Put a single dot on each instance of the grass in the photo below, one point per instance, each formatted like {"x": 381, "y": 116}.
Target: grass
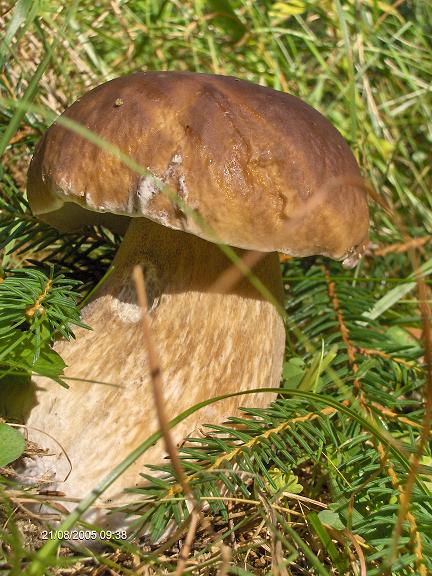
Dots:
{"x": 345, "y": 433}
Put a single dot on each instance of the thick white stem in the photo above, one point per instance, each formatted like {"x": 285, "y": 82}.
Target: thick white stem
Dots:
{"x": 209, "y": 344}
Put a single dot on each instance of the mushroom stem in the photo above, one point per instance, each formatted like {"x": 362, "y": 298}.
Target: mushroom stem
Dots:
{"x": 209, "y": 343}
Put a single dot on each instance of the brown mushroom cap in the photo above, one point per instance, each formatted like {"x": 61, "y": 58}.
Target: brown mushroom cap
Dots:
{"x": 262, "y": 168}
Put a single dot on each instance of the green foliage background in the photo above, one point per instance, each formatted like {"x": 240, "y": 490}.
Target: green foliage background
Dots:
{"x": 354, "y": 374}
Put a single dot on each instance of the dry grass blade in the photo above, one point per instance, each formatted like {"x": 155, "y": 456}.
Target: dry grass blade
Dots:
{"x": 157, "y": 387}
{"x": 186, "y": 548}
{"x": 236, "y": 272}
{"x": 157, "y": 384}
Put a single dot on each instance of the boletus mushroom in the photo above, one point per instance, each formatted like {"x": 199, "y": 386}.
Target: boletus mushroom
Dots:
{"x": 265, "y": 172}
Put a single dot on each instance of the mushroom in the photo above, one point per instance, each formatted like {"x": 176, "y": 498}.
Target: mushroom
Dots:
{"x": 264, "y": 171}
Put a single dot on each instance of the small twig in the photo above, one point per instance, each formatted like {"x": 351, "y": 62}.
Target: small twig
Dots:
{"x": 171, "y": 540}
{"x": 361, "y": 557}
{"x": 339, "y": 536}
{"x": 186, "y": 548}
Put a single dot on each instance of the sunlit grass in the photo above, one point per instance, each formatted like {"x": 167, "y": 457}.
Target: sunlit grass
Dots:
{"x": 367, "y": 66}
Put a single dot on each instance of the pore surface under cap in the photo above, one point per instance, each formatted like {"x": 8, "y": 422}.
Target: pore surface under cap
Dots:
{"x": 262, "y": 168}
